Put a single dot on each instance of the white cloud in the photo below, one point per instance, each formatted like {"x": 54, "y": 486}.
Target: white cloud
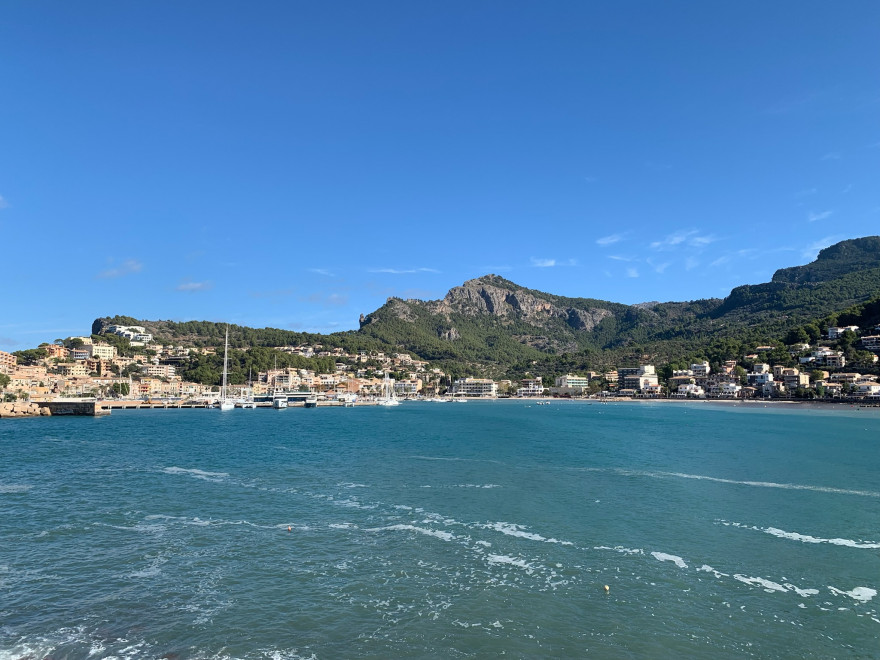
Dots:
{"x": 691, "y": 263}
{"x": 543, "y": 263}
{"x": 815, "y": 217}
{"x": 192, "y": 287}
{"x": 409, "y": 271}
{"x": 659, "y": 268}
{"x": 690, "y": 238}
{"x": 3, "y": 203}
{"x": 806, "y": 192}
{"x": 609, "y": 240}
{"x": 848, "y": 188}
{"x": 811, "y": 251}
{"x": 591, "y": 179}
{"x": 632, "y": 272}
{"x": 321, "y": 271}
{"x": 831, "y": 155}
{"x": 617, "y": 257}
{"x": 127, "y": 267}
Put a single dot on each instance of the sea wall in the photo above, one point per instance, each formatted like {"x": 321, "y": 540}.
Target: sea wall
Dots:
{"x": 23, "y": 409}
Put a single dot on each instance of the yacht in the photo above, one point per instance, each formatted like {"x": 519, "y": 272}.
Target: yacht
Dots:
{"x": 311, "y": 401}
{"x": 225, "y": 402}
{"x": 388, "y": 397}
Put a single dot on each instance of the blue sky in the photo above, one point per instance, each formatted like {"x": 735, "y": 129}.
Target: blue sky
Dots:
{"x": 293, "y": 164}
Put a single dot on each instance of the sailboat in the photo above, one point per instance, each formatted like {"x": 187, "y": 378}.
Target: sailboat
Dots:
{"x": 225, "y": 402}
{"x": 249, "y": 401}
{"x": 388, "y": 398}
{"x": 279, "y": 401}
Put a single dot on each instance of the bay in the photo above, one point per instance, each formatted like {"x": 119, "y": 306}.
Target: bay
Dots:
{"x": 430, "y": 530}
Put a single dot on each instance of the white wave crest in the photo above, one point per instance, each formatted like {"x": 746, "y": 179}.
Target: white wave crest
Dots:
{"x": 14, "y": 488}
{"x": 621, "y": 549}
{"x": 805, "y": 538}
{"x": 861, "y": 594}
{"x": 444, "y": 536}
{"x": 662, "y": 556}
{"x": 512, "y": 529}
{"x": 708, "y": 569}
{"x": 768, "y": 585}
{"x": 758, "y": 484}
{"x": 198, "y": 474}
{"x": 512, "y": 561}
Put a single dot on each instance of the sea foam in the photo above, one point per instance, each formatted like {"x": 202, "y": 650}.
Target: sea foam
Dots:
{"x": 198, "y": 474}
{"x": 444, "y": 536}
{"x": 804, "y": 538}
{"x": 861, "y": 594}
{"x": 662, "y": 556}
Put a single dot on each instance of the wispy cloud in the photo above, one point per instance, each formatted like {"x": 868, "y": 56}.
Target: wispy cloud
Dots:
{"x": 816, "y": 217}
{"x": 609, "y": 240}
{"x": 3, "y": 203}
{"x": 550, "y": 263}
{"x": 127, "y": 267}
{"x": 806, "y": 192}
{"x": 691, "y": 238}
{"x": 848, "y": 188}
{"x": 591, "y": 179}
{"x": 691, "y": 263}
{"x": 632, "y": 272}
{"x": 617, "y": 257}
{"x": 659, "y": 268}
{"x": 812, "y": 250}
{"x": 831, "y": 155}
{"x": 193, "y": 287}
{"x": 321, "y": 271}
{"x": 404, "y": 271}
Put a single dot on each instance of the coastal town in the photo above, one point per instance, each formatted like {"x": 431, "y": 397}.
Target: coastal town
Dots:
{"x": 88, "y": 368}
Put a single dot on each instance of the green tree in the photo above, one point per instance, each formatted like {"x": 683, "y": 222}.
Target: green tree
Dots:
{"x": 4, "y": 381}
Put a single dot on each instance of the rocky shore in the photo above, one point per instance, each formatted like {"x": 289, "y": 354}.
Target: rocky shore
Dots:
{"x": 23, "y": 409}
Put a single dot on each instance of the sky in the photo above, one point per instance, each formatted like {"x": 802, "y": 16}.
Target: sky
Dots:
{"x": 293, "y": 164}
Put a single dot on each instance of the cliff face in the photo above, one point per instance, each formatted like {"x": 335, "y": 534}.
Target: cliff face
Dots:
{"x": 482, "y": 296}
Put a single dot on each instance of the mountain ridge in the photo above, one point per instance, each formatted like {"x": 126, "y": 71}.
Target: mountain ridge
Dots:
{"x": 489, "y": 323}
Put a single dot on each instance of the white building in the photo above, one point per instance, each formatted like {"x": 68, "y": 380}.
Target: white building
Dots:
{"x": 836, "y": 333}
{"x": 700, "y": 369}
{"x": 477, "y": 387}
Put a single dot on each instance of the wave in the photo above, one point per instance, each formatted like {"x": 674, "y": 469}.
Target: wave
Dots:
{"x": 444, "y": 536}
{"x": 757, "y": 484}
{"x": 861, "y": 594}
{"x": 198, "y": 474}
{"x": 675, "y": 559}
{"x": 506, "y": 559}
{"x": 14, "y": 488}
{"x": 804, "y": 538}
{"x": 512, "y": 529}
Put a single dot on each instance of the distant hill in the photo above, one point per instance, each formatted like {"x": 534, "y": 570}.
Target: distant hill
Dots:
{"x": 494, "y": 326}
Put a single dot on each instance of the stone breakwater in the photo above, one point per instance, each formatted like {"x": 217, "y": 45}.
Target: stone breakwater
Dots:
{"x": 23, "y": 409}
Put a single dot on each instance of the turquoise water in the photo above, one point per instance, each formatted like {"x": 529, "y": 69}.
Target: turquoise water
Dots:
{"x": 442, "y": 531}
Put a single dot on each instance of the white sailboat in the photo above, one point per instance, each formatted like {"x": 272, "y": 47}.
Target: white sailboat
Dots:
{"x": 388, "y": 397}
{"x": 279, "y": 400}
{"x": 249, "y": 402}
{"x": 225, "y": 402}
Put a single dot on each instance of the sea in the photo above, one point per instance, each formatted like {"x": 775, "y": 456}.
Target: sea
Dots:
{"x": 486, "y": 530}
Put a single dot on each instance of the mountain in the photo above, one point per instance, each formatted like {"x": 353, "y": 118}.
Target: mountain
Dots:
{"x": 490, "y": 325}
{"x": 494, "y": 323}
